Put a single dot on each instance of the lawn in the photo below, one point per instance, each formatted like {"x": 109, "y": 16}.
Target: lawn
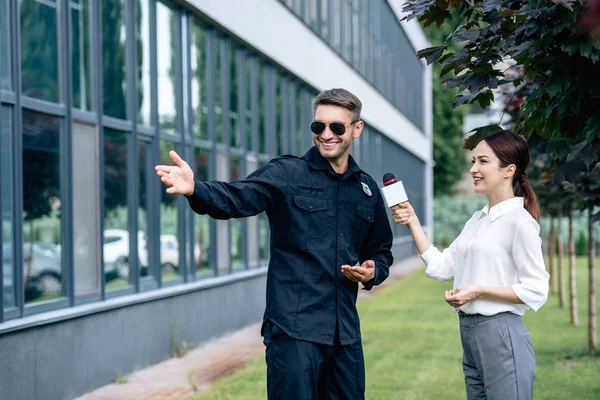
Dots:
{"x": 412, "y": 348}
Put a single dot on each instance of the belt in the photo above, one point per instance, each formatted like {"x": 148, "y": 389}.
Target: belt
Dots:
{"x": 476, "y": 318}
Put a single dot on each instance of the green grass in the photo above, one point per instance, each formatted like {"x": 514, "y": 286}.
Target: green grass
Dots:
{"x": 412, "y": 348}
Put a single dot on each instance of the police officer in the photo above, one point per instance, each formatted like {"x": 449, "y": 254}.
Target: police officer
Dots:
{"x": 329, "y": 231}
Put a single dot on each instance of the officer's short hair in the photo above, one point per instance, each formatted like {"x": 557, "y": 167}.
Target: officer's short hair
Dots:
{"x": 341, "y": 98}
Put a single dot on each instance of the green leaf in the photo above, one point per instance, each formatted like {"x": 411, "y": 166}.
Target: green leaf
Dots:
{"x": 431, "y": 54}
{"x": 478, "y": 134}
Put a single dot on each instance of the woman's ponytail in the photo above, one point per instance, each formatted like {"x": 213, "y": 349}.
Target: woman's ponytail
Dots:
{"x": 523, "y": 189}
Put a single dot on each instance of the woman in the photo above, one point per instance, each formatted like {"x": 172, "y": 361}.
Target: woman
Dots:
{"x": 498, "y": 270}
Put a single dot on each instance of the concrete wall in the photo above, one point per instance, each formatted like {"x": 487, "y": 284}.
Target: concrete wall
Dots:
{"x": 66, "y": 359}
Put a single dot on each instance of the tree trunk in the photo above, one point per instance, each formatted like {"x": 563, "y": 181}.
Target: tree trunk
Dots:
{"x": 572, "y": 282}
{"x": 592, "y": 340}
{"x": 551, "y": 256}
{"x": 559, "y": 264}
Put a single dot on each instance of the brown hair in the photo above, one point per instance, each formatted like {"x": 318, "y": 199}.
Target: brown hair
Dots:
{"x": 511, "y": 148}
{"x": 340, "y": 98}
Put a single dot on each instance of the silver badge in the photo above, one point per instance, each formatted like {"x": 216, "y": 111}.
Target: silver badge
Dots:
{"x": 366, "y": 189}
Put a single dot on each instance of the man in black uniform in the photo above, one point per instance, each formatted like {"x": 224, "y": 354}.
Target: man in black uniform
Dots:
{"x": 329, "y": 231}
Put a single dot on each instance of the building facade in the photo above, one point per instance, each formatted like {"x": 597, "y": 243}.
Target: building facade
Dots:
{"x": 102, "y": 271}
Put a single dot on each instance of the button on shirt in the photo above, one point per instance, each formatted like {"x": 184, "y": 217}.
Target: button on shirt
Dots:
{"x": 319, "y": 221}
{"x": 498, "y": 247}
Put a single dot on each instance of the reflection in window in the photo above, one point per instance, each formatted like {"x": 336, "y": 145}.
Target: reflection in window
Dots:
{"x": 347, "y": 29}
{"x": 145, "y": 173}
{"x": 298, "y": 127}
{"x": 233, "y": 99}
{"x": 313, "y": 17}
{"x": 252, "y": 223}
{"x": 279, "y": 112}
{"x": 39, "y": 49}
{"x": 4, "y": 46}
{"x": 143, "y": 61}
{"x": 236, "y": 225}
{"x": 6, "y": 193}
{"x": 249, "y": 114}
{"x": 202, "y": 246}
{"x": 355, "y": 37}
{"x": 165, "y": 42}
{"x": 325, "y": 19}
{"x": 219, "y": 76}
{"x": 114, "y": 39}
{"x": 116, "y": 214}
{"x": 263, "y": 235}
{"x": 85, "y": 210}
{"x": 261, "y": 108}
{"x": 80, "y": 53}
{"x": 169, "y": 242}
{"x": 336, "y": 26}
{"x": 198, "y": 61}
{"x": 42, "y": 260}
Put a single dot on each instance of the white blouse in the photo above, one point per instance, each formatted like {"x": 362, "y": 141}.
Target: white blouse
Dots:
{"x": 498, "y": 247}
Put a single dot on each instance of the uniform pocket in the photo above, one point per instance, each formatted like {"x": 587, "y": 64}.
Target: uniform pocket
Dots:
{"x": 363, "y": 219}
{"x": 312, "y": 221}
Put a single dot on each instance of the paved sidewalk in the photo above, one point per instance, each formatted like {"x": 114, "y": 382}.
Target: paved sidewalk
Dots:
{"x": 180, "y": 378}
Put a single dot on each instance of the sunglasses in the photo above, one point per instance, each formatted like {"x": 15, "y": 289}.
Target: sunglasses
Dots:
{"x": 317, "y": 127}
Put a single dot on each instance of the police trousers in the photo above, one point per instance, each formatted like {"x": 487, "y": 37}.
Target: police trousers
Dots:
{"x": 301, "y": 370}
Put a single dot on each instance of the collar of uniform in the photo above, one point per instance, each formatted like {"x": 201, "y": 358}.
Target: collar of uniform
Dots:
{"x": 316, "y": 161}
{"x": 502, "y": 208}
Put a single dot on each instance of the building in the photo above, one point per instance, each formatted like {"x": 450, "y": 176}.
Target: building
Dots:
{"x": 103, "y": 272}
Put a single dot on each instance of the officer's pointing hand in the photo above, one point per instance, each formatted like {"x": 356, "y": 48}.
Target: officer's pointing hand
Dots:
{"x": 364, "y": 273}
{"x": 179, "y": 178}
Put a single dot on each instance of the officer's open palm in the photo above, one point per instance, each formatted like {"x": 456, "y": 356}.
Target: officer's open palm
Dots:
{"x": 403, "y": 213}
{"x": 179, "y": 178}
{"x": 364, "y": 273}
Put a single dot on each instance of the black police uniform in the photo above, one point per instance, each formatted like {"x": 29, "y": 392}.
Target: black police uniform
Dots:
{"x": 319, "y": 221}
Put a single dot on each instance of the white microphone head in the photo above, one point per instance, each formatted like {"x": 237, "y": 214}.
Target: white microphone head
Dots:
{"x": 394, "y": 194}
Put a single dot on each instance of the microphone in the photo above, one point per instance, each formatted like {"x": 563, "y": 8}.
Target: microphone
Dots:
{"x": 393, "y": 191}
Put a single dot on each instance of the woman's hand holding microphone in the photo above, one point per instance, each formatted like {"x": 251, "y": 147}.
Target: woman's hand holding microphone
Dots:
{"x": 403, "y": 213}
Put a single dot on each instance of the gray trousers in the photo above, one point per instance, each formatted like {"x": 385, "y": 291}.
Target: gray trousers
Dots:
{"x": 498, "y": 358}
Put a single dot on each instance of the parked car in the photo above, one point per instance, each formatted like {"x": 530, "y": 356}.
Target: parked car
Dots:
{"x": 116, "y": 251}
{"x": 42, "y": 272}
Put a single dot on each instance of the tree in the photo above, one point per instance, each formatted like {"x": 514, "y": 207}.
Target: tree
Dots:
{"x": 447, "y": 125}
{"x": 559, "y": 61}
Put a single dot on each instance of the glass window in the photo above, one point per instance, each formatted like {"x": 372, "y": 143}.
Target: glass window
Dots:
{"x": 325, "y": 19}
{"x": 143, "y": 62}
{"x": 279, "y": 112}
{"x": 202, "y": 223}
{"x": 261, "y": 109}
{"x": 116, "y": 213}
{"x": 145, "y": 174}
{"x": 252, "y": 224}
{"x": 263, "y": 235}
{"x": 198, "y": 61}
{"x": 166, "y": 29}
{"x": 313, "y": 16}
{"x": 80, "y": 54}
{"x": 355, "y": 38}
{"x": 6, "y": 191}
{"x": 85, "y": 210}
{"x": 298, "y": 126}
{"x": 169, "y": 240}
{"x": 114, "y": 39}
{"x": 5, "y": 67}
{"x": 39, "y": 50}
{"x": 42, "y": 259}
{"x": 336, "y": 17}
{"x": 347, "y": 29}
{"x": 223, "y": 236}
{"x": 218, "y": 82}
{"x": 235, "y": 134}
{"x": 236, "y": 225}
{"x": 249, "y": 114}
